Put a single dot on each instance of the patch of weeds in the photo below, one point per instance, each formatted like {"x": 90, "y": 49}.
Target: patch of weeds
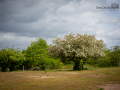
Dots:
{"x": 101, "y": 89}
{"x": 85, "y": 69}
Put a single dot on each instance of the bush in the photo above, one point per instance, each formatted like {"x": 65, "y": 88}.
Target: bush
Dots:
{"x": 11, "y": 59}
{"x": 36, "y": 68}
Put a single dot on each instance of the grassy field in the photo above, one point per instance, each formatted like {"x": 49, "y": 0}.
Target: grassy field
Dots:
{"x": 64, "y": 79}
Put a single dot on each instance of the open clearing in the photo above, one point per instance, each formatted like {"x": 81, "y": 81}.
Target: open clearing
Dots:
{"x": 93, "y": 79}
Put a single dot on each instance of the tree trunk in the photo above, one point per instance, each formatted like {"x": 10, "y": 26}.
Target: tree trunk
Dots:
{"x": 77, "y": 65}
{"x": 23, "y": 67}
{"x": 81, "y": 66}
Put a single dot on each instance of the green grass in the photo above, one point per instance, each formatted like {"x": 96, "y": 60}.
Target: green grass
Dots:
{"x": 65, "y": 79}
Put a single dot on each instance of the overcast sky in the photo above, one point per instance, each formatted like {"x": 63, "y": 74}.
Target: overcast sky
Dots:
{"x": 23, "y": 21}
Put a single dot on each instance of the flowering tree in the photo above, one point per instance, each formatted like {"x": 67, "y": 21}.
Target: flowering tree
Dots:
{"x": 76, "y": 47}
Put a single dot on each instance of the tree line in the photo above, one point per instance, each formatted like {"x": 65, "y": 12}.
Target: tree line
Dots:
{"x": 35, "y": 55}
{"x": 78, "y": 49}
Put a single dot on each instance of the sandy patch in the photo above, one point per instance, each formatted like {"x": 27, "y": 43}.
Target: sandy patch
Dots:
{"x": 51, "y": 77}
{"x": 42, "y": 77}
{"x": 47, "y": 77}
{"x": 111, "y": 87}
{"x": 71, "y": 73}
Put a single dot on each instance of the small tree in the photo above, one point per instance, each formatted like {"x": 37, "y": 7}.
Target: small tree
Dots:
{"x": 76, "y": 48}
{"x": 36, "y": 55}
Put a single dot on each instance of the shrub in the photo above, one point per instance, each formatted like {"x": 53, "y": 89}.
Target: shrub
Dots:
{"x": 36, "y": 68}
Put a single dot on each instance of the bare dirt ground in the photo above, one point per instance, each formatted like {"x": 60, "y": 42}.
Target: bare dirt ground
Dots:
{"x": 99, "y": 79}
{"x": 111, "y": 87}
{"x": 104, "y": 87}
{"x": 96, "y": 75}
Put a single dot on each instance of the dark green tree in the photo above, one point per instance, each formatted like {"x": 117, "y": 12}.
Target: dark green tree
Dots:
{"x": 115, "y": 55}
{"x": 36, "y": 55}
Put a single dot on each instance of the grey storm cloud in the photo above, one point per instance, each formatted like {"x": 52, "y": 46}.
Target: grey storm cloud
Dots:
{"x": 24, "y": 11}
{"x": 23, "y": 21}
{"x": 19, "y": 16}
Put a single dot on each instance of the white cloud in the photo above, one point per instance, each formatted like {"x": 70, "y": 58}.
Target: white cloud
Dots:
{"x": 18, "y": 41}
{"x": 119, "y": 24}
{"x": 110, "y": 20}
{"x": 24, "y": 21}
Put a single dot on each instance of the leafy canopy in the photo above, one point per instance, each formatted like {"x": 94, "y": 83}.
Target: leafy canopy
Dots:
{"x": 11, "y": 59}
{"x": 36, "y": 55}
{"x": 78, "y": 45}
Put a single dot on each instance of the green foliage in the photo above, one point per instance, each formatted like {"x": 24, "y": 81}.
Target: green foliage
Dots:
{"x": 105, "y": 61}
{"x": 112, "y": 58}
{"x": 36, "y": 55}
{"x": 101, "y": 61}
{"x": 115, "y": 55}
{"x": 11, "y": 59}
